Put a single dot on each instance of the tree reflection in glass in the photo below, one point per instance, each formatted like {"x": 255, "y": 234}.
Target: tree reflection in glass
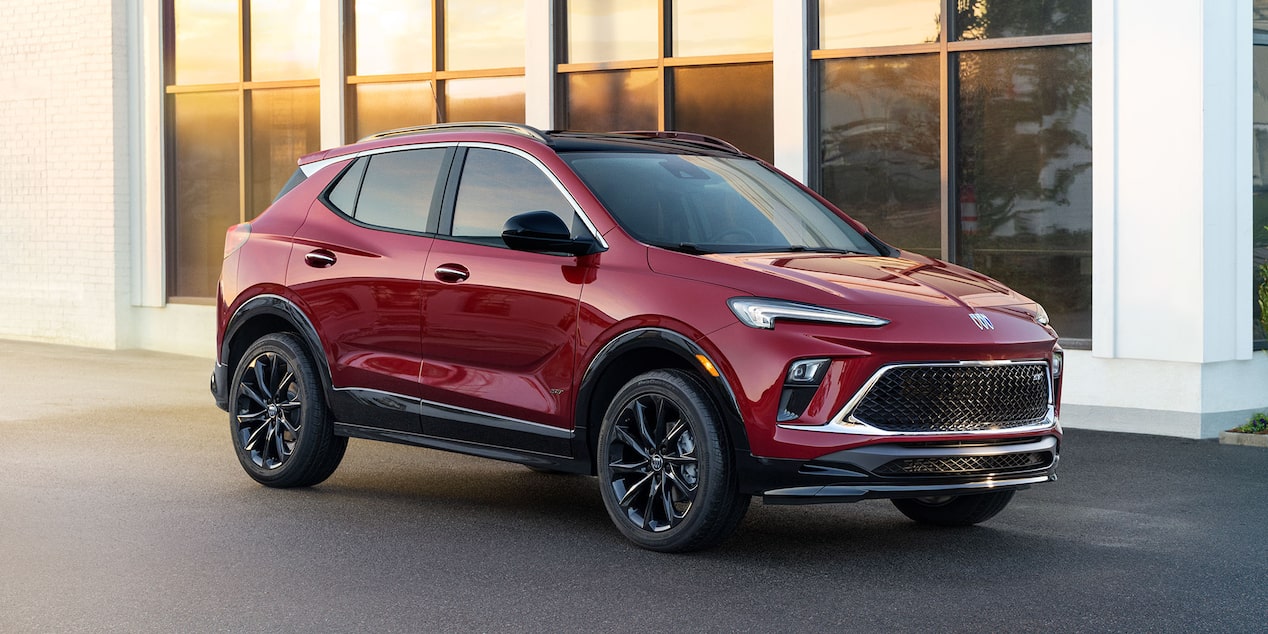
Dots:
{"x": 982, "y": 19}
{"x": 1024, "y": 181}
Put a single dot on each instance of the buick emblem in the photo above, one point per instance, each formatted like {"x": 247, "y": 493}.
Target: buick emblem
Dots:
{"x": 983, "y": 322}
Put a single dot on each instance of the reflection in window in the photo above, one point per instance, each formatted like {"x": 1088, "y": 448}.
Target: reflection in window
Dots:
{"x": 614, "y": 100}
{"x": 285, "y": 38}
{"x": 607, "y": 30}
{"x": 879, "y": 149}
{"x": 205, "y": 158}
{"x": 497, "y": 185}
{"x": 722, "y": 27}
{"x": 734, "y": 102}
{"x": 859, "y": 23}
{"x": 485, "y": 34}
{"x": 1025, "y": 185}
{"x": 1259, "y": 162}
{"x": 1260, "y": 16}
{"x": 982, "y": 19}
{"x": 381, "y": 107}
{"x": 206, "y": 42}
{"x": 392, "y": 37}
{"x": 487, "y": 99}
{"x": 398, "y": 188}
{"x": 285, "y": 126}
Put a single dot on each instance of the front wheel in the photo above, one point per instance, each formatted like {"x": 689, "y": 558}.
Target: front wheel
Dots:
{"x": 281, "y": 432}
{"x": 964, "y": 510}
{"x": 665, "y": 466}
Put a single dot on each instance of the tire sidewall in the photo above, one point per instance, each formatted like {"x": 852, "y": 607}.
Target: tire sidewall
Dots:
{"x": 312, "y": 418}
{"x": 711, "y": 455}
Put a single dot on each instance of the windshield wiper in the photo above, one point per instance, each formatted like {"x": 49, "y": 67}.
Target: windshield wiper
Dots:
{"x": 801, "y": 248}
{"x": 684, "y": 247}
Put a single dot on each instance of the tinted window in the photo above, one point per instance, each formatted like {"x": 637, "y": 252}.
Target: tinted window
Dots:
{"x": 497, "y": 185}
{"x": 344, "y": 194}
{"x": 398, "y": 187}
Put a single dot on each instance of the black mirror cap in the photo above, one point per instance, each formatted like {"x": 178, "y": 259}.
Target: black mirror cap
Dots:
{"x": 542, "y": 232}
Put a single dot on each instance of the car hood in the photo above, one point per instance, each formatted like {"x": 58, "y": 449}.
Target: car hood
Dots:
{"x": 909, "y": 289}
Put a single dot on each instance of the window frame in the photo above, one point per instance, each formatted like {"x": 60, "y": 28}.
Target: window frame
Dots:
{"x": 443, "y": 176}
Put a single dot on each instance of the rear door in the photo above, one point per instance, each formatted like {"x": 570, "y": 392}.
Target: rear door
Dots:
{"x": 500, "y": 333}
{"x": 357, "y": 266}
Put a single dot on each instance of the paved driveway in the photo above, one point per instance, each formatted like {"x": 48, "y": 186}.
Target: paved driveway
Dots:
{"x": 122, "y": 508}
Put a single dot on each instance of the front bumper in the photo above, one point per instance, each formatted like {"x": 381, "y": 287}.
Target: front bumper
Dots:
{"x": 898, "y": 470}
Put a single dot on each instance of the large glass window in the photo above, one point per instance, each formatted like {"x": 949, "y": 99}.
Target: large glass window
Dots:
{"x": 962, "y": 129}
{"x": 1024, "y": 157}
{"x": 420, "y": 62}
{"x": 1259, "y": 163}
{"x": 497, "y": 185}
{"x": 880, "y": 158}
{"x": 692, "y": 65}
{"x": 236, "y": 129}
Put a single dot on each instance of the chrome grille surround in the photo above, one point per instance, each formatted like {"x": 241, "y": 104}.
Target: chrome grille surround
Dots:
{"x": 1037, "y": 411}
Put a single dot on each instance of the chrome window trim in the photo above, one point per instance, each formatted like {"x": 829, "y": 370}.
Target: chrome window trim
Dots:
{"x": 844, "y": 421}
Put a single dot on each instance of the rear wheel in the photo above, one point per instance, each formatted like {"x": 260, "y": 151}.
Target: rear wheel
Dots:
{"x": 964, "y": 510}
{"x": 281, "y": 432}
{"x": 665, "y": 465}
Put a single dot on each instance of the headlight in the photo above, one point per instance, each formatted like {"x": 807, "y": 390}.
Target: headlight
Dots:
{"x": 757, "y": 312}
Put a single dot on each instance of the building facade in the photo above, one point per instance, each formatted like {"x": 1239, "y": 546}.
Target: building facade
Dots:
{"x": 1103, "y": 158}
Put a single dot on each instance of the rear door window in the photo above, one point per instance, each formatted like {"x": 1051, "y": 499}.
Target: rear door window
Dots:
{"x": 394, "y": 190}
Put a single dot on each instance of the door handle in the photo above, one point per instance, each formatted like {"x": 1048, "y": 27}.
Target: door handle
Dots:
{"x": 319, "y": 259}
{"x": 452, "y": 273}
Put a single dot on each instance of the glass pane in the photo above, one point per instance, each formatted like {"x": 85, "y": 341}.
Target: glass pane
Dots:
{"x": 380, "y": 107}
{"x": 207, "y": 50}
{"x": 722, "y": 27}
{"x": 497, "y": 185}
{"x": 285, "y": 38}
{"x": 205, "y": 153}
{"x": 1025, "y": 180}
{"x": 981, "y": 19}
{"x": 617, "y": 100}
{"x": 490, "y": 99}
{"x": 343, "y": 196}
{"x": 735, "y": 103}
{"x": 484, "y": 34}
{"x": 393, "y": 36}
{"x": 608, "y": 30}
{"x": 1261, "y": 17}
{"x": 1259, "y": 179}
{"x": 285, "y": 125}
{"x": 857, "y": 23}
{"x": 879, "y": 146}
{"x": 398, "y": 189}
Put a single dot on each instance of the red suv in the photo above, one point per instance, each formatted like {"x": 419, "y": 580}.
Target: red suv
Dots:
{"x": 657, "y": 309}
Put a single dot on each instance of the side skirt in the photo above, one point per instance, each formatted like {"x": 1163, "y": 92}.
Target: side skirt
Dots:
{"x": 532, "y": 459}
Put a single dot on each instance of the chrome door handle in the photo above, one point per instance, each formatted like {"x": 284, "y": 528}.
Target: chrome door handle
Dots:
{"x": 452, "y": 273}
{"x": 320, "y": 259}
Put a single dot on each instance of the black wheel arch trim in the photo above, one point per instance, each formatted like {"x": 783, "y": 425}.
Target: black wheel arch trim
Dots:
{"x": 676, "y": 343}
{"x": 285, "y": 309}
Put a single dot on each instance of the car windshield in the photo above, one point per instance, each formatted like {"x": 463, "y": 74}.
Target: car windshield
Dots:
{"x": 712, "y": 204}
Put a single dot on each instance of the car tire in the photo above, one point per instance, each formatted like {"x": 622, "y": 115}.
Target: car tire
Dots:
{"x": 964, "y": 510}
{"x": 665, "y": 465}
{"x": 282, "y": 433}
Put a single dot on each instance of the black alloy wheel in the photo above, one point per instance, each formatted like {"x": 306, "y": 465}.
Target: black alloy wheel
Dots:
{"x": 665, "y": 465}
{"x": 281, "y": 433}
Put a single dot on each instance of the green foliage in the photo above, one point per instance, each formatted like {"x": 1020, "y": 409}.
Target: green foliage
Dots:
{"x": 1261, "y": 296}
{"x": 1258, "y": 424}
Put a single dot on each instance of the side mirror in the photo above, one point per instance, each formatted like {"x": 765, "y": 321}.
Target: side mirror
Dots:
{"x": 542, "y": 232}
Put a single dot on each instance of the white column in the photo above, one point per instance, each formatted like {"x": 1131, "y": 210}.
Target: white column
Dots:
{"x": 539, "y": 64}
{"x": 145, "y": 159}
{"x": 790, "y": 21}
{"x": 331, "y": 74}
{"x": 1171, "y": 171}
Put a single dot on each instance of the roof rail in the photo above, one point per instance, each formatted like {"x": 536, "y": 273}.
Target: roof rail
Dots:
{"x": 516, "y": 128}
{"x": 687, "y": 137}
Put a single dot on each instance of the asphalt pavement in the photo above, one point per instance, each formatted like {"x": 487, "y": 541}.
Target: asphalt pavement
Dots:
{"x": 123, "y": 509}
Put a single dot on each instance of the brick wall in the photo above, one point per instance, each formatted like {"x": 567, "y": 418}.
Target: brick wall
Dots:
{"x": 63, "y": 170}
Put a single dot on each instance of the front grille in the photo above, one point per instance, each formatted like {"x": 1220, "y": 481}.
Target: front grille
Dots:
{"x": 956, "y": 398}
{"x": 958, "y": 465}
